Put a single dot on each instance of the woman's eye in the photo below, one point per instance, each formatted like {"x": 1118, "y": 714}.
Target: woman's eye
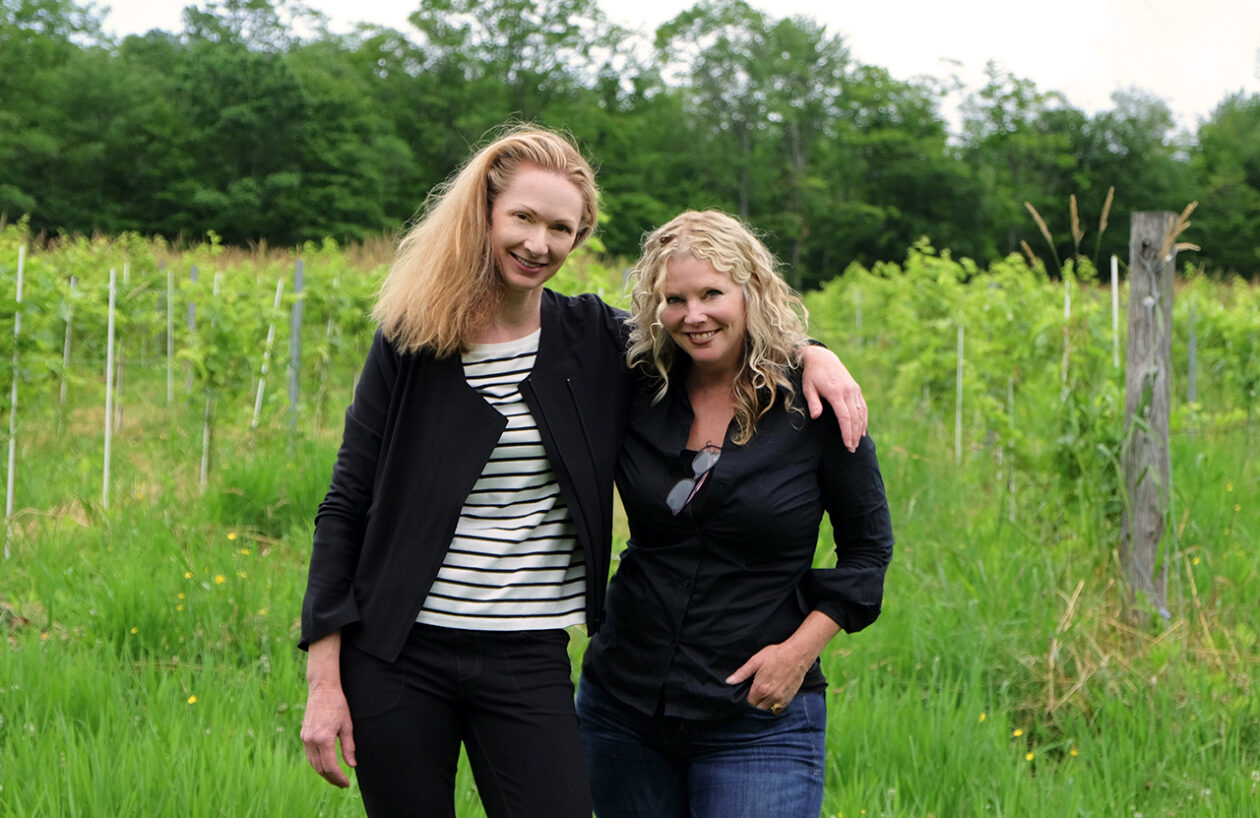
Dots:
{"x": 672, "y": 299}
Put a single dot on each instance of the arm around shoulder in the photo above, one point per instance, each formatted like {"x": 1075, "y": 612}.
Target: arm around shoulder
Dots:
{"x": 853, "y": 493}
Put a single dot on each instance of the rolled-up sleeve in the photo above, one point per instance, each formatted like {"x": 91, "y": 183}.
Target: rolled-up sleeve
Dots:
{"x": 852, "y": 593}
{"x": 329, "y": 604}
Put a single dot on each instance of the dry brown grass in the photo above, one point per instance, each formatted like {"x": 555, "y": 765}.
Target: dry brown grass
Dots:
{"x": 1098, "y": 652}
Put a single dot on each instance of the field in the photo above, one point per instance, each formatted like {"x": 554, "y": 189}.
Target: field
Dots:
{"x": 149, "y": 620}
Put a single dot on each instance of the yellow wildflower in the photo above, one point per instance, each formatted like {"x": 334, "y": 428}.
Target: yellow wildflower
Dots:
{"x": 1017, "y": 732}
{"x": 192, "y": 699}
{"x": 219, "y": 579}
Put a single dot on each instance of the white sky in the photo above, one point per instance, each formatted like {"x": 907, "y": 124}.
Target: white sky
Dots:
{"x": 1190, "y": 54}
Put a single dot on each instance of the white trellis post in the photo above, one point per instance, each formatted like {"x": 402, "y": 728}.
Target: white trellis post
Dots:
{"x": 13, "y": 403}
{"x": 119, "y": 355}
{"x": 204, "y": 480}
{"x": 1115, "y": 312}
{"x": 958, "y": 403}
{"x": 1067, "y": 337}
{"x": 170, "y": 335}
{"x": 1010, "y": 472}
{"x": 295, "y": 345}
{"x": 192, "y": 330}
{"x": 65, "y": 353}
{"x": 271, "y": 340}
{"x": 1192, "y": 383}
{"x": 109, "y": 385}
{"x": 857, "y": 300}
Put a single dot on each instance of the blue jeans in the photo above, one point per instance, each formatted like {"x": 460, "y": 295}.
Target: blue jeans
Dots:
{"x": 753, "y": 766}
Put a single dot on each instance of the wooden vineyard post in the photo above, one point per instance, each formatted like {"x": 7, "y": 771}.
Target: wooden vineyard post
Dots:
{"x": 1146, "y": 460}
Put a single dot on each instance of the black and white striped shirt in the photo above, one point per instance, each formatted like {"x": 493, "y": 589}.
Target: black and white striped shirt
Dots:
{"x": 514, "y": 563}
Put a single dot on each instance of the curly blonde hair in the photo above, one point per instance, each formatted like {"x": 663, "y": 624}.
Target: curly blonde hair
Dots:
{"x": 775, "y": 322}
{"x": 443, "y": 284}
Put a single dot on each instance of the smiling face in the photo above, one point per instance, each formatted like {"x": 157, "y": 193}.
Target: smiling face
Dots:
{"x": 533, "y": 226}
{"x": 705, "y": 313}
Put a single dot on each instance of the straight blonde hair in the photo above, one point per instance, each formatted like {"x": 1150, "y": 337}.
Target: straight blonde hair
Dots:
{"x": 775, "y": 321}
{"x": 443, "y": 284}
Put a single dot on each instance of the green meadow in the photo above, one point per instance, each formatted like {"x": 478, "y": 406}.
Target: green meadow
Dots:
{"x": 148, "y": 664}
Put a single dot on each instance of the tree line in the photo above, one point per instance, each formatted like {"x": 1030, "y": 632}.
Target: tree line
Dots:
{"x": 261, "y": 124}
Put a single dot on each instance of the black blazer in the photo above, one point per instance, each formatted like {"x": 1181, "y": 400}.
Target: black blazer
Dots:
{"x": 415, "y": 440}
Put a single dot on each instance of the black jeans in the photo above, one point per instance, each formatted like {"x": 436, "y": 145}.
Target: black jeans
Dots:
{"x": 507, "y": 695}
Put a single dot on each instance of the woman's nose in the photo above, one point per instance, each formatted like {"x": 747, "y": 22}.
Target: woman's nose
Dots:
{"x": 536, "y": 240}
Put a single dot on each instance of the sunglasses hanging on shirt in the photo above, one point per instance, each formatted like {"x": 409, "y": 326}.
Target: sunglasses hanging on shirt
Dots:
{"x": 685, "y": 489}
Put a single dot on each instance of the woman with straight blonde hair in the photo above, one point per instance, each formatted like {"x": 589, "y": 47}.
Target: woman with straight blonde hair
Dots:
{"x": 469, "y": 518}
{"x": 701, "y": 697}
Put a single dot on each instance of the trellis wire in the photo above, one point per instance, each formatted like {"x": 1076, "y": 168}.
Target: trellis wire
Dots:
{"x": 271, "y": 340}
{"x": 13, "y": 403}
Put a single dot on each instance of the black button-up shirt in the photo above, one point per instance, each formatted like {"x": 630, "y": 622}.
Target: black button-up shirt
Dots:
{"x": 699, "y": 593}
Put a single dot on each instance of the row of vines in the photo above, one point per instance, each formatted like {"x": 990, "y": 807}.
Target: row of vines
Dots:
{"x": 1020, "y": 367}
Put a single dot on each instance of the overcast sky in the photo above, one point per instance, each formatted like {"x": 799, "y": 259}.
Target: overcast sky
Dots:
{"x": 1190, "y": 54}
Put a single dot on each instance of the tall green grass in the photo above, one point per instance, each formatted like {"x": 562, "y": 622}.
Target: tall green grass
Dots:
{"x": 149, "y": 666}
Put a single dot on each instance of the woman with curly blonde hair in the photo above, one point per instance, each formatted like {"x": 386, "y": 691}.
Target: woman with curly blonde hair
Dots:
{"x": 776, "y": 317}
{"x": 701, "y": 695}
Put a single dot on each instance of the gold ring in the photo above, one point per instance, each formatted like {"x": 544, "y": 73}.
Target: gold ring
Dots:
{"x": 776, "y": 709}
